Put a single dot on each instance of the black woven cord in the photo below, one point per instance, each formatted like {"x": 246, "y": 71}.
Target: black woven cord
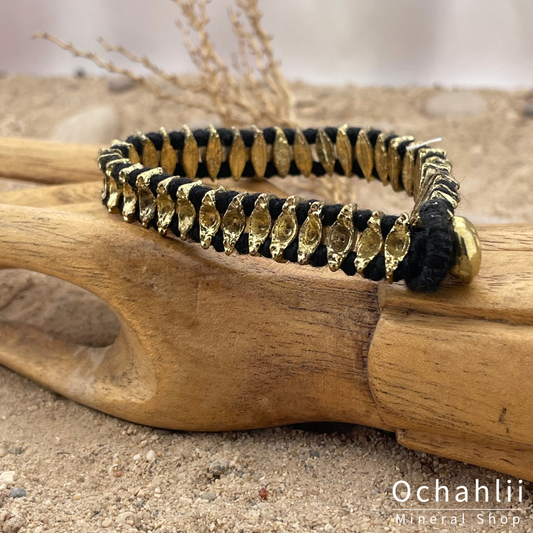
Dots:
{"x": 177, "y": 139}
{"x": 155, "y": 181}
{"x": 352, "y": 135}
{"x": 302, "y": 210}
{"x": 270, "y": 135}
{"x": 320, "y": 257}
{"x": 107, "y": 158}
{"x": 117, "y": 169}
{"x": 137, "y": 143}
{"x": 402, "y": 147}
{"x": 431, "y": 251}
{"x": 247, "y": 137}
{"x": 360, "y": 219}
{"x": 132, "y": 177}
{"x": 124, "y": 150}
{"x": 174, "y": 185}
{"x": 424, "y": 268}
{"x": 290, "y": 134}
{"x": 249, "y": 202}
{"x": 438, "y": 255}
{"x": 157, "y": 139}
{"x": 310, "y": 135}
{"x": 226, "y": 136}
{"x": 418, "y": 268}
{"x": 388, "y": 139}
{"x": 386, "y": 224}
{"x": 223, "y": 200}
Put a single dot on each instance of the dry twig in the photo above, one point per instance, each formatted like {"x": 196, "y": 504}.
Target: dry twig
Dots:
{"x": 257, "y": 93}
{"x": 253, "y": 91}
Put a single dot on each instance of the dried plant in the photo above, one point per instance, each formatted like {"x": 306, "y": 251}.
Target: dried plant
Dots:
{"x": 253, "y": 90}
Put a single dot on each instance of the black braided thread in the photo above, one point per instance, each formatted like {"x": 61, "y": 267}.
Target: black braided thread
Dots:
{"x": 425, "y": 266}
{"x": 177, "y": 139}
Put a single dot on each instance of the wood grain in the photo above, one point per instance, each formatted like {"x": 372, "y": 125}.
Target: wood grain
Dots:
{"x": 231, "y": 343}
{"x": 48, "y": 162}
{"x": 516, "y": 460}
{"x": 210, "y": 342}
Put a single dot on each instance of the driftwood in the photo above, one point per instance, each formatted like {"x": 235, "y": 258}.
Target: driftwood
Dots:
{"x": 215, "y": 343}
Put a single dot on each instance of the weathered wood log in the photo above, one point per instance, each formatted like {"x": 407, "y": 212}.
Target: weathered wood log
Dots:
{"x": 48, "y": 162}
{"x": 210, "y": 342}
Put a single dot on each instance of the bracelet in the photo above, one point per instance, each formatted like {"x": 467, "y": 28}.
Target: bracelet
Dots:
{"x": 154, "y": 178}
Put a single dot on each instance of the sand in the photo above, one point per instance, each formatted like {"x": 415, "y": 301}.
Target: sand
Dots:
{"x": 85, "y": 471}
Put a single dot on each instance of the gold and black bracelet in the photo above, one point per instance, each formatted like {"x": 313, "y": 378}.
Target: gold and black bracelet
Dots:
{"x": 155, "y": 178}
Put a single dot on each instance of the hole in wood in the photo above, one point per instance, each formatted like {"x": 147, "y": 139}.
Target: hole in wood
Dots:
{"x": 57, "y": 308}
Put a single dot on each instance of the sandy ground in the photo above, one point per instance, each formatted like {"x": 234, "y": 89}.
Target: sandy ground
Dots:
{"x": 85, "y": 471}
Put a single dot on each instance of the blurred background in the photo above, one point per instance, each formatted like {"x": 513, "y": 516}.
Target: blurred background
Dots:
{"x": 479, "y": 43}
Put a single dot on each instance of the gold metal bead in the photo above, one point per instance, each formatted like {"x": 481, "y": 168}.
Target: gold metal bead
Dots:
{"x": 259, "y": 154}
{"x": 113, "y": 150}
{"x": 190, "y": 154}
{"x": 117, "y": 144}
{"x": 129, "y": 203}
{"x": 303, "y": 157}
{"x": 109, "y": 185}
{"x": 149, "y": 157}
{"x": 341, "y": 237}
{"x": 325, "y": 151}
{"x": 397, "y": 245}
{"x": 423, "y": 195}
{"x": 169, "y": 156}
{"x": 445, "y": 185}
{"x": 166, "y": 206}
{"x": 285, "y": 228}
{"x": 133, "y": 155}
{"x": 281, "y": 153}
{"x": 436, "y": 165}
{"x": 408, "y": 169}
{"x": 364, "y": 153}
{"x": 430, "y": 171}
{"x": 446, "y": 179}
{"x": 237, "y": 155}
{"x": 423, "y": 154}
{"x": 438, "y": 160}
{"x": 439, "y": 195}
{"x": 370, "y": 242}
{"x": 260, "y": 223}
{"x": 233, "y": 223}
{"x": 114, "y": 196}
{"x": 185, "y": 209}
{"x": 468, "y": 250}
{"x": 213, "y": 153}
{"x": 395, "y": 161}
{"x": 343, "y": 147}
{"x": 103, "y": 161}
{"x": 209, "y": 217}
{"x": 147, "y": 200}
{"x": 381, "y": 158}
{"x": 310, "y": 235}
